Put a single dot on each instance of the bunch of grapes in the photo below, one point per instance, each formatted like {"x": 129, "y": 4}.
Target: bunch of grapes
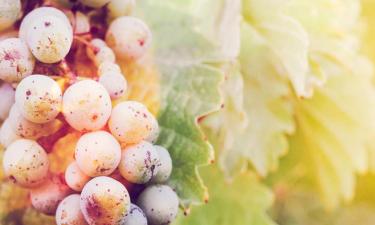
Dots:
{"x": 118, "y": 175}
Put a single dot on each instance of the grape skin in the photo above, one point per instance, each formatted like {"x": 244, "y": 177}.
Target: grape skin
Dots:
{"x": 7, "y": 134}
{"x": 104, "y": 201}
{"x": 155, "y": 130}
{"x": 139, "y": 162}
{"x": 95, "y": 3}
{"x": 82, "y": 23}
{"x": 75, "y": 178}
{"x": 159, "y": 203}
{"x": 49, "y": 39}
{"x": 129, "y": 37}
{"x": 47, "y": 196}
{"x": 9, "y": 13}
{"x": 7, "y": 94}
{"x": 130, "y": 122}
{"x": 69, "y": 212}
{"x": 39, "y": 98}
{"x": 41, "y": 12}
{"x": 135, "y": 216}
{"x": 26, "y": 163}
{"x": 108, "y": 67}
{"x": 165, "y": 168}
{"x": 97, "y": 153}
{"x": 16, "y": 60}
{"x": 117, "y": 8}
{"x": 114, "y": 83}
{"x": 87, "y": 105}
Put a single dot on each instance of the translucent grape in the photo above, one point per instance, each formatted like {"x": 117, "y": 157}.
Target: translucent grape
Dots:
{"x": 26, "y": 129}
{"x": 108, "y": 67}
{"x": 16, "y": 60}
{"x": 139, "y": 162}
{"x": 9, "y": 13}
{"x": 117, "y": 8}
{"x": 95, "y": 3}
{"x": 49, "y": 39}
{"x": 75, "y": 178}
{"x": 155, "y": 130}
{"x": 82, "y": 23}
{"x": 159, "y": 203}
{"x": 87, "y": 105}
{"x": 114, "y": 83}
{"x": 97, "y": 153}
{"x": 104, "y": 201}
{"x": 130, "y": 122}
{"x": 26, "y": 163}
{"x": 135, "y": 216}
{"x": 47, "y": 196}
{"x": 41, "y": 12}
{"x": 7, "y": 100}
{"x": 104, "y": 54}
{"x": 69, "y": 212}
{"x": 39, "y": 98}
{"x": 165, "y": 168}
{"x": 7, "y": 134}
{"x": 129, "y": 37}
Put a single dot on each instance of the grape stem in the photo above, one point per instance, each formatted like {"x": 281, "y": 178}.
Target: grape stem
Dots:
{"x": 67, "y": 72}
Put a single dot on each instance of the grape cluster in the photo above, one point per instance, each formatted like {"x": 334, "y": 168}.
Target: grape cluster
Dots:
{"x": 118, "y": 174}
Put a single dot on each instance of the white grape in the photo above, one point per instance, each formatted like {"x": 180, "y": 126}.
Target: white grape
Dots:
{"x": 7, "y": 134}
{"x": 159, "y": 203}
{"x": 75, "y": 178}
{"x": 26, "y": 163}
{"x": 16, "y": 60}
{"x": 129, "y": 37}
{"x": 69, "y": 212}
{"x": 130, "y": 122}
{"x": 135, "y": 216}
{"x": 108, "y": 67}
{"x": 95, "y": 3}
{"x": 39, "y": 98}
{"x": 104, "y": 54}
{"x": 97, "y": 153}
{"x": 82, "y": 23}
{"x": 104, "y": 201}
{"x": 155, "y": 131}
{"x": 41, "y": 12}
{"x": 98, "y": 43}
{"x": 115, "y": 84}
{"x": 7, "y": 100}
{"x": 87, "y": 105}
{"x": 165, "y": 168}
{"x": 9, "y": 13}
{"x": 26, "y": 129}
{"x": 49, "y": 39}
{"x": 47, "y": 196}
{"x": 117, "y": 8}
{"x": 139, "y": 162}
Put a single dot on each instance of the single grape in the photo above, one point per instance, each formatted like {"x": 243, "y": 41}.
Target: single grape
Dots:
{"x": 97, "y": 153}
{"x": 82, "y": 23}
{"x": 7, "y": 100}
{"x": 104, "y": 201}
{"x": 38, "y": 13}
{"x": 103, "y": 54}
{"x": 165, "y": 168}
{"x": 129, "y": 37}
{"x": 47, "y": 196}
{"x": 108, "y": 67}
{"x": 49, "y": 39}
{"x": 114, "y": 83}
{"x": 130, "y": 122}
{"x": 155, "y": 130}
{"x": 9, "y": 13}
{"x": 16, "y": 60}
{"x": 139, "y": 162}
{"x": 26, "y": 163}
{"x": 26, "y": 129}
{"x": 39, "y": 98}
{"x": 98, "y": 43}
{"x": 87, "y": 105}
{"x": 69, "y": 212}
{"x": 95, "y": 3}
{"x": 135, "y": 216}
{"x": 117, "y": 8}
{"x": 159, "y": 203}
{"x": 7, "y": 134}
{"x": 75, "y": 178}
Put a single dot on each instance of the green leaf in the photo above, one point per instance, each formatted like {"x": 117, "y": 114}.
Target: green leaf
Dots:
{"x": 189, "y": 90}
{"x": 244, "y": 201}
